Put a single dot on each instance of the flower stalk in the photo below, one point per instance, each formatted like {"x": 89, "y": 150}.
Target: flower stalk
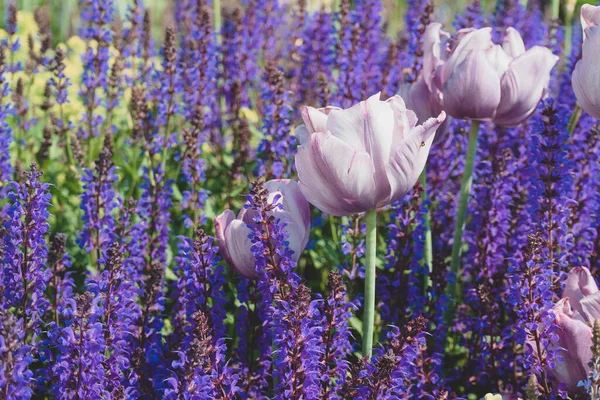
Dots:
{"x": 461, "y": 216}
{"x": 369, "y": 311}
{"x": 428, "y": 245}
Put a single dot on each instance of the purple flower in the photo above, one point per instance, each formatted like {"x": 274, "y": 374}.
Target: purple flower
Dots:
{"x": 98, "y": 202}
{"x": 25, "y": 251}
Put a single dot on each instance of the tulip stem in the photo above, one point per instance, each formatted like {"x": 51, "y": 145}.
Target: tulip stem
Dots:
{"x": 369, "y": 311}
{"x": 461, "y": 216}
{"x": 428, "y": 245}
{"x": 555, "y": 9}
{"x": 333, "y": 228}
{"x": 217, "y": 20}
{"x": 574, "y": 119}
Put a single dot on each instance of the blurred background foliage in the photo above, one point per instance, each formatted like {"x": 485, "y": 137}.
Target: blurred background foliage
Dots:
{"x": 65, "y": 13}
{"x": 64, "y": 20}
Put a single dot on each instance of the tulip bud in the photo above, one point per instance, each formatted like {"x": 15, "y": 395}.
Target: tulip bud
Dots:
{"x": 233, "y": 234}
{"x": 574, "y": 315}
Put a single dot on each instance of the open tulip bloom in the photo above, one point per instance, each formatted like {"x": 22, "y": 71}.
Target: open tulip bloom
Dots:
{"x": 471, "y": 77}
{"x": 586, "y": 76}
{"x": 365, "y": 157}
{"x": 360, "y": 159}
{"x": 233, "y": 233}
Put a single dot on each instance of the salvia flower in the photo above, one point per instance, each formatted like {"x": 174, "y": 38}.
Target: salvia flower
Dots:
{"x": 25, "y": 251}
{"x": 473, "y": 78}
{"x": 586, "y": 80}
{"x": 364, "y": 157}
{"x": 233, "y": 234}
{"x": 78, "y": 369}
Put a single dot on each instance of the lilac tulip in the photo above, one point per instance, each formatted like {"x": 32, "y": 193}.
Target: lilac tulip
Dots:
{"x": 233, "y": 234}
{"x": 586, "y": 76}
{"x": 470, "y": 77}
{"x": 574, "y": 342}
{"x": 367, "y": 156}
{"x": 575, "y": 314}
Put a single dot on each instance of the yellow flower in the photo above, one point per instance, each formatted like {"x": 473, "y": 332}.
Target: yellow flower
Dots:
{"x": 249, "y": 114}
{"x": 77, "y": 45}
{"x": 491, "y": 396}
{"x": 26, "y": 24}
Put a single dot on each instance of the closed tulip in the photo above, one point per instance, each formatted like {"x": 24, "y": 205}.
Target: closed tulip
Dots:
{"x": 361, "y": 158}
{"x": 233, "y": 234}
{"x": 575, "y": 314}
{"x": 586, "y": 76}
{"x": 470, "y": 77}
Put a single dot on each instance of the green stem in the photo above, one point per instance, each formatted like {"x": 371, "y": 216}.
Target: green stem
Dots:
{"x": 555, "y": 9}
{"x": 333, "y": 228}
{"x": 217, "y": 19}
{"x": 369, "y": 312}
{"x": 428, "y": 245}
{"x": 461, "y": 216}
{"x": 574, "y": 119}
{"x": 569, "y": 12}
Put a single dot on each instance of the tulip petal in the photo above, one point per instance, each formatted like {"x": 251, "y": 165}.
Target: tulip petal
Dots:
{"x": 469, "y": 41}
{"x": 238, "y": 245}
{"x": 368, "y": 127}
{"x": 590, "y": 307}
{"x": 434, "y": 52}
{"x": 302, "y": 134}
{"x": 523, "y": 85}
{"x": 349, "y": 171}
{"x": 499, "y": 59}
{"x": 473, "y": 90}
{"x": 296, "y": 211}
{"x": 222, "y": 221}
{"x": 590, "y": 17}
{"x": 575, "y": 337}
{"x": 404, "y": 119}
{"x": 424, "y": 105}
{"x": 315, "y": 119}
{"x": 578, "y": 285}
{"x": 513, "y": 43}
{"x": 247, "y": 215}
{"x": 585, "y": 79}
{"x": 315, "y": 187}
{"x": 409, "y": 160}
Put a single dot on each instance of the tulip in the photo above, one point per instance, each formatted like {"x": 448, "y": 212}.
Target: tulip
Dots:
{"x": 470, "y": 77}
{"x": 365, "y": 157}
{"x": 575, "y": 314}
{"x": 473, "y": 78}
{"x": 574, "y": 344}
{"x": 586, "y": 76}
{"x": 233, "y": 234}
{"x": 360, "y": 159}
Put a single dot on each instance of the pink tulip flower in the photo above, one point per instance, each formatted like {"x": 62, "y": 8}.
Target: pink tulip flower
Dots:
{"x": 586, "y": 76}
{"x": 233, "y": 234}
{"x": 470, "y": 77}
{"x": 367, "y": 156}
{"x": 575, "y": 314}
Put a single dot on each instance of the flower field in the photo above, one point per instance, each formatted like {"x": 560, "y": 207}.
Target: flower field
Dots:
{"x": 274, "y": 199}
